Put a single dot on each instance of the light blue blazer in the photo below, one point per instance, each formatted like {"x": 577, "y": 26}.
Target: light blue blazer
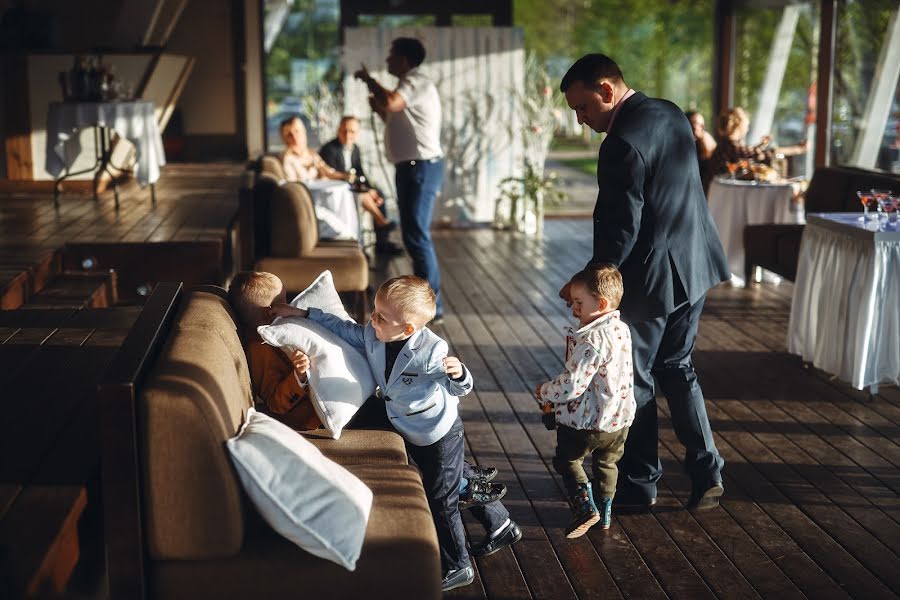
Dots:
{"x": 420, "y": 398}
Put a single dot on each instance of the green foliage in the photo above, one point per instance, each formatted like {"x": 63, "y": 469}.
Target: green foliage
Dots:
{"x": 664, "y": 47}
{"x": 532, "y": 191}
{"x": 311, "y": 37}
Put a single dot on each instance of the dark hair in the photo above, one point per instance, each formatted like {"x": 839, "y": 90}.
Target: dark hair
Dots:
{"x": 691, "y": 113}
{"x": 288, "y": 121}
{"x": 589, "y": 70}
{"x": 411, "y": 49}
{"x": 346, "y": 118}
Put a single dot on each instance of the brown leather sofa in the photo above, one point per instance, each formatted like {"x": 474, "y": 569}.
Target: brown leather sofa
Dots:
{"x": 776, "y": 246}
{"x": 282, "y": 237}
{"x": 177, "y": 522}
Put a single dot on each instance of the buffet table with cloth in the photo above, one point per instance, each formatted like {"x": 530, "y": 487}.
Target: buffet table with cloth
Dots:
{"x": 336, "y": 209}
{"x": 736, "y": 204}
{"x": 845, "y": 315}
{"x": 134, "y": 121}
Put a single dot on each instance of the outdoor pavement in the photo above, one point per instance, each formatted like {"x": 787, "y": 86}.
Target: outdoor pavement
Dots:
{"x": 581, "y": 187}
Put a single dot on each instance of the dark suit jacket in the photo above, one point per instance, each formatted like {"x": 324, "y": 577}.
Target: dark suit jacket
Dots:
{"x": 651, "y": 219}
{"x": 333, "y": 155}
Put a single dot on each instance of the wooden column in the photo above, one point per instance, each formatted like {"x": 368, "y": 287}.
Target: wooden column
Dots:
{"x": 723, "y": 53}
{"x": 18, "y": 119}
{"x": 825, "y": 81}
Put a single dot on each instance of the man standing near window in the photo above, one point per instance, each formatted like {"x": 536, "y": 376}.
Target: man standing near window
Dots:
{"x": 652, "y": 222}
{"x": 412, "y": 141}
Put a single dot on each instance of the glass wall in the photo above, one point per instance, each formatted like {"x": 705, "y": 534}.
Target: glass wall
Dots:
{"x": 866, "y": 112}
{"x": 302, "y": 50}
{"x": 775, "y": 71}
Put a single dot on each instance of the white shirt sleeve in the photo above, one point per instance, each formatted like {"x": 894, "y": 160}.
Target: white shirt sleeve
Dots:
{"x": 411, "y": 88}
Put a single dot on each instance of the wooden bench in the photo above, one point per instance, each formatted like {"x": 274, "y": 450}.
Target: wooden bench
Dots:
{"x": 53, "y": 359}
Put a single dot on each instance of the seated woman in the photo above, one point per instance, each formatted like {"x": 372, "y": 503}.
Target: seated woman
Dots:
{"x": 732, "y": 131}
{"x": 302, "y": 164}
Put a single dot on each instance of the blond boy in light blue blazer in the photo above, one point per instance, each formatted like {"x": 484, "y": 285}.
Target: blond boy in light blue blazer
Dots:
{"x": 420, "y": 385}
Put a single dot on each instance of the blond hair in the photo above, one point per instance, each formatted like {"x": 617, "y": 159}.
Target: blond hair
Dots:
{"x": 251, "y": 290}
{"x": 730, "y": 121}
{"x": 602, "y": 281}
{"x": 413, "y": 298}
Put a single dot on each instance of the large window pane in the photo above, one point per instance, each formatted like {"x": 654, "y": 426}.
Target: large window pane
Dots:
{"x": 866, "y": 108}
{"x": 775, "y": 69}
{"x": 302, "y": 50}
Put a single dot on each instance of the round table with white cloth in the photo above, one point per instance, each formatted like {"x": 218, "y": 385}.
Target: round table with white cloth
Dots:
{"x": 736, "y": 204}
{"x": 336, "y": 209}
{"x": 133, "y": 120}
{"x": 845, "y": 314}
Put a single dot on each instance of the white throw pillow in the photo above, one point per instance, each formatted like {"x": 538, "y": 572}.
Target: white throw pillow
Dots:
{"x": 339, "y": 376}
{"x": 306, "y": 497}
{"x": 322, "y": 295}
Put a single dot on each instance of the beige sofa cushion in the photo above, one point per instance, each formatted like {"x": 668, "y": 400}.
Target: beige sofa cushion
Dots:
{"x": 347, "y": 264}
{"x": 399, "y": 557}
{"x": 272, "y": 165}
{"x": 207, "y": 307}
{"x": 295, "y": 231}
{"x": 360, "y": 446}
{"x": 191, "y": 403}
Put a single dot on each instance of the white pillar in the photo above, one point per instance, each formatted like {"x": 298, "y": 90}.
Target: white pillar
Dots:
{"x": 878, "y": 105}
{"x": 761, "y": 120}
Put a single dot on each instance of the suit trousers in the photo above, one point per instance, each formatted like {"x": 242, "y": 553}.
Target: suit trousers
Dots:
{"x": 441, "y": 465}
{"x": 418, "y": 183}
{"x": 662, "y": 348}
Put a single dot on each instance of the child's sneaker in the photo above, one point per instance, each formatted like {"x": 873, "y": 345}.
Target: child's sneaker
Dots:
{"x": 584, "y": 511}
{"x": 606, "y": 512}
{"x": 479, "y": 494}
{"x": 479, "y": 473}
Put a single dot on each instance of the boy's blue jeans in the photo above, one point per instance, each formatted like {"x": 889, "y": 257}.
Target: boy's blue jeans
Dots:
{"x": 417, "y": 188}
{"x": 441, "y": 465}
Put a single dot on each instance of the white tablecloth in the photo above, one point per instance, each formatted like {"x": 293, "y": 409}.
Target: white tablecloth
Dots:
{"x": 133, "y": 121}
{"x": 845, "y": 315}
{"x": 735, "y": 204}
{"x": 335, "y": 209}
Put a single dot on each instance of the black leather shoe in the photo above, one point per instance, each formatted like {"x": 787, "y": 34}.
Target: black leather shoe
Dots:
{"x": 626, "y": 502}
{"x": 509, "y": 536}
{"x": 458, "y": 578}
{"x": 387, "y": 227}
{"x": 479, "y": 473}
{"x": 706, "y": 499}
{"x": 388, "y": 249}
{"x": 479, "y": 493}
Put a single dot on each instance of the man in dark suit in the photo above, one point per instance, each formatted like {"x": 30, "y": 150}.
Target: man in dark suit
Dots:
{"x": 342, "y": 154}
{"x": 652, "y": 222}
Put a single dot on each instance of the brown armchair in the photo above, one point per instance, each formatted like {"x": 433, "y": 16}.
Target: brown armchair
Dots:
{"x": 282, "y": 237}
{"x": 776, "y": 246}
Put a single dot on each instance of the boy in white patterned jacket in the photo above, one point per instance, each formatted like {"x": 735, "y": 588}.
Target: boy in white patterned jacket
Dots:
{"x": 593, "y": 398}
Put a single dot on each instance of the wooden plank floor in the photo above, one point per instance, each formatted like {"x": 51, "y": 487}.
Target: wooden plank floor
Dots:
{"x": 812, "y": 501}
{"x": 193, "y": 202}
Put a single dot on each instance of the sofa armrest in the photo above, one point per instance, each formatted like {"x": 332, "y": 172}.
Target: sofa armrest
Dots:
{"x": 773, "y": 246}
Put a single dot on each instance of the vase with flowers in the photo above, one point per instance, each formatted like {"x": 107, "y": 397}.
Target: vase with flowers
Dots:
{"x": 521, "y": 200}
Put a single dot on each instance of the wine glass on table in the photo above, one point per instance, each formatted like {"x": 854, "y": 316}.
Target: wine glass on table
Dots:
{"x": 732, "y": 169}
{"x": 890, "y": 204}
{"x": 865, "y": 198}
{"x": 881, "y": 197}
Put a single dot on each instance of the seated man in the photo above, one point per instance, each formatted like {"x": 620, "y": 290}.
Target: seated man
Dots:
{"x": 342, "y": 154}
